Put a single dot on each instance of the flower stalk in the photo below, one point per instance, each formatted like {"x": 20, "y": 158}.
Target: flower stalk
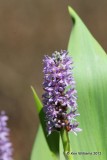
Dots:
{"x": 66, "y": 145}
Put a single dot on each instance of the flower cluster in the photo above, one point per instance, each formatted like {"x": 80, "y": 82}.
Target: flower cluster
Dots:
{"x": 60, "y": 95}
{"x": 5, "y": 145}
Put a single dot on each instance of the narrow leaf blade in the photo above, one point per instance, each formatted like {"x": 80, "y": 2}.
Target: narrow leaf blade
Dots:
{"x": 46, "y": 147}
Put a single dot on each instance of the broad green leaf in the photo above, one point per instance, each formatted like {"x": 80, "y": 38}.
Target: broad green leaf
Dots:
{"x": 45, "y": 147}
{"x": 90, "y": 73}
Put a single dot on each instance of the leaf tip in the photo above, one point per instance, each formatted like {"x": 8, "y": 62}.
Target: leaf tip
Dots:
{"x": 32, "y": 88}
{"x": 37, "y": 100}
{"x": 72, "y": 13}
{"x": 69, "y": 9}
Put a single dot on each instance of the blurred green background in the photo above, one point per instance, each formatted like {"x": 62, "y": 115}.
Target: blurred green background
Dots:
{"x": 28, "y": 30}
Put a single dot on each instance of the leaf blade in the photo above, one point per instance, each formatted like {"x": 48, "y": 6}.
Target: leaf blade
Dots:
{"x": 90, "y": 62}
{"x": 50, "y": 143}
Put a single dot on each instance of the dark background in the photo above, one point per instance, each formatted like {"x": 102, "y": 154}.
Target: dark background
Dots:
{"x": 28, "y": 30}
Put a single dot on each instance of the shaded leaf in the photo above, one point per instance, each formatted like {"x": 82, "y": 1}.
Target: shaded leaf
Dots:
{"x": 45, "y": 147}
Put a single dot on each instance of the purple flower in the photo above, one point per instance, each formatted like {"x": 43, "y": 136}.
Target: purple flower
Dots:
{"x": 60, "y": 97}
{"x": 5, "y": 145}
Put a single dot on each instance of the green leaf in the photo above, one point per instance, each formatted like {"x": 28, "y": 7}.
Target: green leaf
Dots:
{"x": 62, "y": 157}
{"x": 90, "y": 73}
{"x": 45, "y": 147}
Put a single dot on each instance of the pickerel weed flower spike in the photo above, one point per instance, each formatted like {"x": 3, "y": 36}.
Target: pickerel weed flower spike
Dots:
{"x": 5, "y": 145}
{"x": 60, "y": 97}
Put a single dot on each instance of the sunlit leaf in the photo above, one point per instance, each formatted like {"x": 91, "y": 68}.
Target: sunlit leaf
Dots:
{"x": 90, "y": 73}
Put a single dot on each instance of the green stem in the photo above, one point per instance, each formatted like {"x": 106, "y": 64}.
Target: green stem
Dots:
{"x": 66, "y": 145}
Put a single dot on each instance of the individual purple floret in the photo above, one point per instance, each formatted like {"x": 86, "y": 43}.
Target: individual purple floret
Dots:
{"x": 5, "y": 145}
{"x": 60, "y": 97}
